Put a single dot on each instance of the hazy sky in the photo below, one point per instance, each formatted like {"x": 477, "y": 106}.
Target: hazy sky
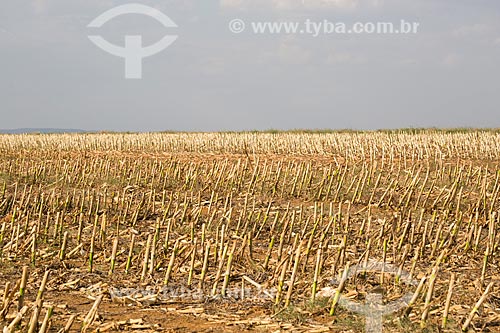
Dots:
{"x": 446, "y": 75}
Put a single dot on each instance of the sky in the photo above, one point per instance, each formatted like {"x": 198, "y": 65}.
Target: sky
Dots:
{"x": 447, "y": 74}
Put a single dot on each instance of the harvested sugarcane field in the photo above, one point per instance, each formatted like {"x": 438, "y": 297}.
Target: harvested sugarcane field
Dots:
{"x": 263, "y": 232}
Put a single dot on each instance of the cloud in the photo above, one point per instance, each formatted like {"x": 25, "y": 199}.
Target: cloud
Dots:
{"x": 293, "y": 53}
{"x": 232, "y": 3}
{"x": 295, "y": 4}
{"x": 480, "y": 32}
{"x": 213, "y": 66}
{"x": 409, "y": 62}
{"x": 335, "y": 58}
{"x": 288, "y": 51}
{"x": 452, "y": 60}
{"x": 6, "y": 35}
{"x": 40, "y": 6}
{"x": 471, "y": 30}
